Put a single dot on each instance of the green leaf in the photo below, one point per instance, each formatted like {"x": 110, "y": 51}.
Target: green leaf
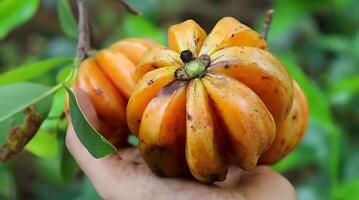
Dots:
{"x": 33, "y": 70}
{"x": 311, "y": 190}
{"x": 17, "y": 97}
{"x": 24, "y": 107}
{"x": 351, "y": 164}
{"x": 53, "y": 169}
{"x": 94, "y": 142}
{"x": 348, "y": 190}
{"x": 15, "y": 13}
{"x": 313, "y": 149}
{"x": 319, "y": 113}
{"x": 287, "y": 14}
{"x": 46, "y": 143}
{"x": 290, "y": 18}
{"x": 64, "y": 73}
{"x": 48, "y": 169}
{"x": 136, "y": 26}
{"x": 58, "y": 105}
{"x": 296, "y": 159}
{"x": 318, "y": 103}
{"x": 355, "y": 44}
{"x": 67, "y": 19}
{"x": 7, "y": 183}
{"x": 345, "y": 89}
{"x": 341, "y": 67}
{"x": 88, "y": 191}
{"x": 43, "y": 144}
{"x": 340, "y": 3}
{"x": 334, "y": 43}
{"x": 68, "y": 167}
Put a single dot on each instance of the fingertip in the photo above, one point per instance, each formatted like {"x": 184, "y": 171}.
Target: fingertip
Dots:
{"x": 75, "y": 147}
{"x": 90, "y": 165}
{"x": 263, "y": 169}
{"x": 285, "y": 188}
{"x": 69, "y": 139}
{"x": 264, "y": 183}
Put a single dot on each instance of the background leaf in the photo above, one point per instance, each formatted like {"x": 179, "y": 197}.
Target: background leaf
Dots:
{"x": 136, "y": 26}
{"x": 94, "y": 142}
{"x": 67, "y": 19}
{"x": 295, "y": 159}
{"x": 64, "y": 73}
{"x": 14, "y": 13}
{"x": 320, "y": 114}
{"x": 46, "y": 142}
{"x": 318, "y": 103}
{"x": 17, "y": 97}
{"x": 68, "y": 167}
{"x": 43, "y": 144}
{"x": 348, "y": 190}
{"x": 332, "y": 43}
{"x": 6, "y": 183}
{"x": 33, "y": 70}
{"x": 345, "y": 89}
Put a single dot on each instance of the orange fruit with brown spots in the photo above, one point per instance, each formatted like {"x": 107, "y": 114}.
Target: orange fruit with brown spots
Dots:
{"x": 108, "y": 80}
{"x": 208, "y": 102}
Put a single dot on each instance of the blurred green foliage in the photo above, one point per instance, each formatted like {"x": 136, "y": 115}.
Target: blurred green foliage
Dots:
{"x": 14, "y": 13}
{"x": 67, "y": 20}
{"x": 318, "y": 41}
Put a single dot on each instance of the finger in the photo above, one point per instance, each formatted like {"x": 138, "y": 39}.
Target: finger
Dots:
{"x": 110, "y": 175}
{"x": 119, "y": 171}
{"x": 232, "y": 179}
{"x": 261, "y": 183}
{"x": 89, "y": 111}
{"x": 114, "y": 177}
{"x": 131, "y": 154}
{"x": 90, "y": 165}
{"x": 83, "y": 158}
{"x": 100, "y": 171}
{"x": 266, "y": 184}
{"x": 79, "y": 152}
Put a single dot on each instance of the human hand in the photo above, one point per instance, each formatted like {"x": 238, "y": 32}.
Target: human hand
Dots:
{"x": 124, "y": 175}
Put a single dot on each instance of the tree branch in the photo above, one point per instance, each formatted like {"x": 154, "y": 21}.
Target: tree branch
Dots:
{"x": 83, "y": 43}
{"x": 267, "y": 23}
{"x": 129, "y": 8}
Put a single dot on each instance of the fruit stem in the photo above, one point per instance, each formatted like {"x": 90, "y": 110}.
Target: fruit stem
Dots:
{"x": 267, "y": 23}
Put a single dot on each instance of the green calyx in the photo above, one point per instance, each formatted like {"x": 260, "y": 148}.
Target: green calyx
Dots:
{"x": 194, "y": 68}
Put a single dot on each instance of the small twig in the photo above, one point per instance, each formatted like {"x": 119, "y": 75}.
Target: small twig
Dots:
{"x": 267, "y": 23}
{"x": 83, "y": 43}
{"x": 129, "y": 8}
